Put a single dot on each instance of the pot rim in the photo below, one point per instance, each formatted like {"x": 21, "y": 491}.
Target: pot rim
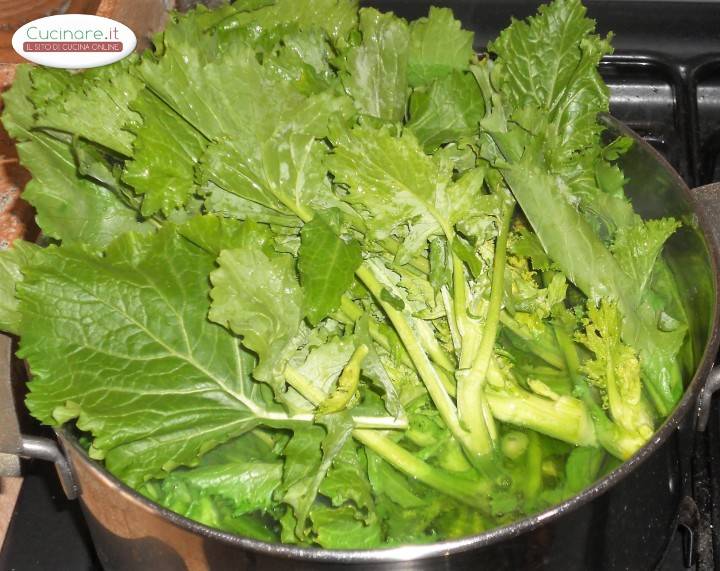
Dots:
{"x": 687, "y": 404}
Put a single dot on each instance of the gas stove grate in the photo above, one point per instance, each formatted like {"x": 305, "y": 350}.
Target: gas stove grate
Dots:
{"x": 673, "y": 104}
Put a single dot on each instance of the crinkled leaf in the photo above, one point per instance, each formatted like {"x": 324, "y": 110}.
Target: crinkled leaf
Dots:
{"x": 18, "y": 109}
{"x": 550, "y": 62}
{"x": 308, "y": 457}
{"x": 347, "y": 480}
{"x": 166, "y": 150}
{"x": 636, "y": 247}
{"x": 12, "y": 262}
{"x": 246, "y": 486}
{"x": 214, "y": 234}
{"x": 335, "y": 17}
{"x": 246, "y": 288}
{"x": 528, "y": 246}
{"x": 220, "y": 201}
{"x": 199, "y": 91}
{"x": 394, "y": 181}
{"x": 375, "y": 371}
{"x": 285, "y": 174}
{"x": 95, "y": 104}
{"x": 438, "y": 46}
{"x": 233, "y": 485}
{"x": 340, "y": 528}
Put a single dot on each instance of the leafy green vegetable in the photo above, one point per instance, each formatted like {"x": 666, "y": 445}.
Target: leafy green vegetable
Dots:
{"x": 438, "y": 45}
{"x": 245, "y": 291}
{"x": 175, "y": 384}
{"x": 327, "y": 264}
{"x": 11, "y": 262}
{"x": 322, "y": 276}
{"x": 374, "y": 73}
{"x": 449, "y": 109}
{"x": 166, "y": 150}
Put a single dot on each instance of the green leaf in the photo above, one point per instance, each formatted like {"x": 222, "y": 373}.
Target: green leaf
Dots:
{"x": 375, "y": 72}
{"x": 121, "y": 342}
{"x": 232, "y": 489}
{"x": 393, "y": 180}
{"x": 347, "y": 480}
{"x": 199, "y": 91}
{"x": 550, "y": 62}
{"x": 219, "y": 201}
{"x": 245, "y": 293}
{"x": 335, "y": 17}
{"x": 339, "y": 528}
{"x": 438, "y": 46}
{"x": 246, "y": 486}
{"x": 214, "y": 234}
{"x": 388, "y": 481}
{"x": 308, "y": 457}
{"x": 69, "y": 208}
{"x": 19, "y": 113}
{"x": 95, "y": 104}
{"x": 166, "y": 150}
{"x": 374, "y": 370}
{"x": 450, "y": 108}
{"x": 321, "y": 367}
{"x": 582, "y": 468}
{"x": 281, "y": 171}
{"x": 327, "y": 265}
{"x": 12, "y": 262}
{"x": 637, "y": 247}
{"x": 528, "y": 245}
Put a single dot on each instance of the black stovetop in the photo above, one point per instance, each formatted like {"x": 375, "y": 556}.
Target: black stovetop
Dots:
{"x": 665, "y": 84}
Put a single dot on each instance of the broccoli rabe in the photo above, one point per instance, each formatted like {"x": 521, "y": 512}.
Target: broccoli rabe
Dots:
{"x": 320, "y": 275}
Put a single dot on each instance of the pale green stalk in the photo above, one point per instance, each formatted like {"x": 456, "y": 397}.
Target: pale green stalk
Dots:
{"x": 430, "y": 377}
{"x": 472, "y": 408}
{"x": 471, "y": 492}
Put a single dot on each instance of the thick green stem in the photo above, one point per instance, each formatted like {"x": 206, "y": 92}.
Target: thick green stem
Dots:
{"x": 460, "y": 309}
{"x": 472, "y": 408}
{"x": 315, "y": 396}
{"x": 429, "y": 342}
{"x": 619, "y": 442}
{"x": 468, "y": 491}
{"x": 430, "y": 377}
{"x": 471, "y": 492}
{"x": 497, "y": 291}
{"x": 566, "y": 418}
{"x": 448, "y": 302}
{"x": 547, "y": 353}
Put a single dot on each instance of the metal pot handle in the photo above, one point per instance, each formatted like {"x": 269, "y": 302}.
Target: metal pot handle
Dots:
{"x": 708, "y": 197}
{"x": 14, "y": 444}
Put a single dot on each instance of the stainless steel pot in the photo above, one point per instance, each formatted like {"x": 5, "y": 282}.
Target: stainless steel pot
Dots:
{"x": 624, "y": 521}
